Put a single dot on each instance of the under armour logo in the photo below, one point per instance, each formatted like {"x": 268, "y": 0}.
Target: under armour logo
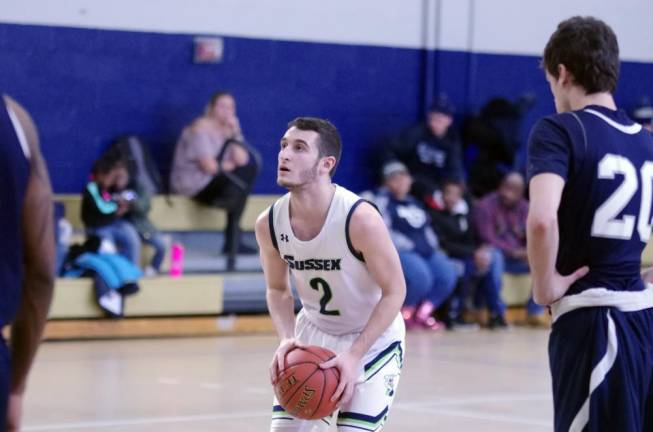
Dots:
{"x": 284, "y": 238}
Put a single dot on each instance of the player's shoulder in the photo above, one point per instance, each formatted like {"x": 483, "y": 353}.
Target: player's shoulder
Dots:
{"x": 364, "y": 217}
{"x": 266, "y": 218}
{"x": 346, "y": 194}
{"x": 564, "y": 127}
{"x": 354, "y": 203}
{"x": 556, "y": 122}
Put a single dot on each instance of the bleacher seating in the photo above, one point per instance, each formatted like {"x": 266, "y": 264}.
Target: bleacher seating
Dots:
{"x": 179, "y": 213}
{"x": 189, "y": 295}
{"x": 193, "y": 295}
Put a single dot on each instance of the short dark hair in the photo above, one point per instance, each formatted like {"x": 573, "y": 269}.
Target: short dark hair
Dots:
{"x": 329, "y": 143}
{"x": 589, "y": 50}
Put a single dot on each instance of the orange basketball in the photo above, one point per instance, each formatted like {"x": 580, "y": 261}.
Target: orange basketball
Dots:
{"x": 303, "y": 389}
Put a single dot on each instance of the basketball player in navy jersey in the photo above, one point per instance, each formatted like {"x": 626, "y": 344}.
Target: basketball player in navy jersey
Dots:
{"x": 591, "y": 188}
{"x": 26, "y": 253}
{"x": 347, "y": 274}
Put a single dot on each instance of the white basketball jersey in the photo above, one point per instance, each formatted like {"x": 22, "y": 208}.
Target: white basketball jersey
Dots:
{"x": 335, "y": 288}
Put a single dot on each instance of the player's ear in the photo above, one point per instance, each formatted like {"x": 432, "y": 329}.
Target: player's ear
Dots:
{"x": 328, "y": 162}
{"x": 564, "y": 76}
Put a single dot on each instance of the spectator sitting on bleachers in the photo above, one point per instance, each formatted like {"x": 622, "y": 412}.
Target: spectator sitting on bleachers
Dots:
{"x": 139, "y": 200}
{"x": 482, "y": 263}
{"x": 102, "y": 215}
{"x": 432, "y": 152}
{"x": 430, "y": 275}
{"x": 500, "y": 221}
{"x": 212, "y": 164}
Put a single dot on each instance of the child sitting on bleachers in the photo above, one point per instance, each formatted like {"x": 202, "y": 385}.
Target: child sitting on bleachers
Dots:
{"x": 138, "y": 201}
{"x": 102, "y": 215}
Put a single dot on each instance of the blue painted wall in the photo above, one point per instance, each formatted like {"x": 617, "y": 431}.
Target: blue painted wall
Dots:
{"x": 84, "y": 87}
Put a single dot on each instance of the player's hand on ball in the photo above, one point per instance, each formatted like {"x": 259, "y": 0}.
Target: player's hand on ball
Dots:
{"x": 279, "y": 356}
{"x": 347, "y": 364}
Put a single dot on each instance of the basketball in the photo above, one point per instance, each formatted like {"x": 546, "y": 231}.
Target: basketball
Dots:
{"x": 303, "y": 389}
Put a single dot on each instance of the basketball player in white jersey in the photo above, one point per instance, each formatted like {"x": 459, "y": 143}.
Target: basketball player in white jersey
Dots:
{"x": 347, "y": 274}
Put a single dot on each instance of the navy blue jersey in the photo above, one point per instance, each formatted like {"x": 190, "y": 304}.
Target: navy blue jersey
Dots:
{"x": 604, "y": 217}
{"x": 14, "y": 175}
{"x": 409, "y": 223}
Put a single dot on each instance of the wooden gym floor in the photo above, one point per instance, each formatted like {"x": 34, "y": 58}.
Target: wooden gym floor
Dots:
{"x": 480, "y": 381}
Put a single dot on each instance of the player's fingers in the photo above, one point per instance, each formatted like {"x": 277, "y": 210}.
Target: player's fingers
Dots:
{"x": 281, "y": 361}
{"x": 578, "y": 273}
{"x": 328, "y": 364}
{"x": 346, "y": 396}
{"x": 278, "y": 364}
{"x": 272, "y": 374}
{"x": 339, "y": 390}
{"x": 273, "y": 370}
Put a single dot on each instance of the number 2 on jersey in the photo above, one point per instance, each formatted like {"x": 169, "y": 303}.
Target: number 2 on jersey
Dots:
{"x": 316, "y": 284}
{"x": 605, "y": 223}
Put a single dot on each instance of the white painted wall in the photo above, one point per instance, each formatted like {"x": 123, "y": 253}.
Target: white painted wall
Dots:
{"x": 493, "y": 26}
{"x": 373, "y": 22}
{"x": 524, "y": 26}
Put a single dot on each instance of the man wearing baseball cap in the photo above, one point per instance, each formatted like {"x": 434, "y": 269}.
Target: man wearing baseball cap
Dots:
{"x": 431, "y": 150}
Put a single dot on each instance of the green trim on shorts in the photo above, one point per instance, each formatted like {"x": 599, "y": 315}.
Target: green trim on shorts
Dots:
{"x": 385, "y": 356}
{"x": 363, "y": 421}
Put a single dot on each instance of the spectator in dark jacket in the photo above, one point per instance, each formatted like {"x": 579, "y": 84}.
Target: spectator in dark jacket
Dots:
{"x": 430, "y": 275}
{"x": 103, "y": 215}
{"x": 496, "y": 134}
{"x": 483, "y": 264}
{"x": 500, "y": 220}
{"x": 431, "y": 150}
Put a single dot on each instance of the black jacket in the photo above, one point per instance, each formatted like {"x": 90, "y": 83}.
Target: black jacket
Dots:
{"x": 430, "y": 160}
{"x": 96, "y": 211}
{"x": 456, "y": 233}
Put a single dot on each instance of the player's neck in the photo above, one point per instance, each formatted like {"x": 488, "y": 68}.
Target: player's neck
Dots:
{"x": 312, "y": 200}
{"x": 579, "y": 100}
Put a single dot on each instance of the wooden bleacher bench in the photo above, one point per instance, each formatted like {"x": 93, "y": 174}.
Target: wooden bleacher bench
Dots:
{"x": 158, "y": 296}
{"x": 188, "y": 296}
{"x": 179, "y": 213}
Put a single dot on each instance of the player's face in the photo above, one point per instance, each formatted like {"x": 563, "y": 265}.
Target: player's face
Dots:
{"x": 558, "y": 92}
{"x": 439, "y": 123}
{"x": 299, "y": 159}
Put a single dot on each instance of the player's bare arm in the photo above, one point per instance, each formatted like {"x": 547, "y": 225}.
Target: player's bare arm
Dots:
{"x": 370, "y": 236}
{"x": 39, "y": 252}
{"x": 543, "y": 240}
{"x": 278, "y": 294}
